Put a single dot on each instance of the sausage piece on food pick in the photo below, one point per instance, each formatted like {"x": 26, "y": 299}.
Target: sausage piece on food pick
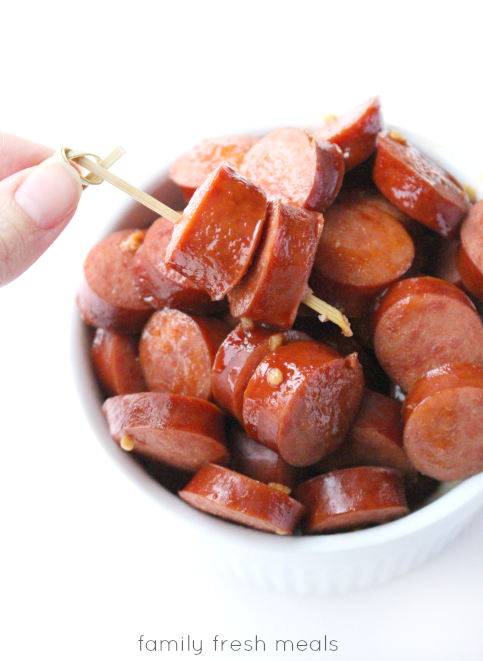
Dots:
{"x": 177, "y": 351}
{"x": 418, "y": 186}
{"x": 352, "y": 498}
{"x": 292, "y": 166}
{"x": 162, "y": 286}
{"x": 191, "y": 169}
{"x": 425, "y": 323}
{"x": 443, "y": 415}
{"x": 273, "y": 287}
{"x": 302, "y": 399}
{"x": 184, "y": 432}
{"x": 214, "y": 240}
{"x": 116, "y": 363}
{"x": 108, "y": 296}
{"x": 229, "y": 495}
{"x": 355, "y": 132}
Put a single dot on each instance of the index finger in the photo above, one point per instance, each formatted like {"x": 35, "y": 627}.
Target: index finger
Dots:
{"x": 18, "y": 154}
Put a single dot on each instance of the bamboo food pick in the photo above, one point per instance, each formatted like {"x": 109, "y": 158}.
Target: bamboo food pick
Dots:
{"x": 98, "y": 172}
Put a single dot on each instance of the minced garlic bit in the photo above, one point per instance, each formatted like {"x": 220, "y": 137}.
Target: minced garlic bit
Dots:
{"x": 280, "y": 487}
{"x": 247, "y": 324}
{"x": 471, "y": 192}
{"x": 323, "y": 318}
{"x": 274, "y": 376}
{"x": 330, "y": 118}
{"x": 275, "y": 341}
{"x": 127, "y": 443}
{"x": 133, "y": 241}
{"x": 398, "y": 137}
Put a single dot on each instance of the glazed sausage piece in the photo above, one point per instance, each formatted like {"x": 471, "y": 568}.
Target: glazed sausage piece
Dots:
{"x": 191, "y": 169}
{"x": 443, "y": 415}
{"x": 418, "y": 186}
{"x": 290, "y": 165}
{"x": 374, "y": 376}
{"x": 162, "y": 286}
{"x": 108, "y": 296}
{"x": 355, "y": 132}
{"x": 184, "y": 432}
{"x": 229, "y": 495}
{"x": 214, "y": 240}
{"x": 257, "y": 461}
{"x": 469, "y": 258}
{"x": 238, "y": 357}
{"x": 116, "y": 363}
{"x": 177, "y": 351}
{"x": 301, "y": 401}
{"x": 424, "y": 323}
{"x": 362, "y": 250}
{"x": 352, "y": 498}
{"x": 375, "y": 438}
{"x": 276, "y": 282}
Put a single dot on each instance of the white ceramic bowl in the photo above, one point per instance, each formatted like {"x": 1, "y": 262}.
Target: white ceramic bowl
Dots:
{"x": 321, "y": 564}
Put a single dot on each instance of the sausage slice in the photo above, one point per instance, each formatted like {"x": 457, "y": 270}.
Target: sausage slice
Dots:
{"x": 115, "y": 360}
{"x": 229, "y": 495}
{"x": 276, "y": 282}
{"x": 108, "y": 296}
{"x": 418, "y": 186}
{"x": 362, "y": 250}
{"x": 355, "y": 132}
{"x": 191, "y": 169}
{"x": 214, "y": 240}
{"x": 424, "y": 323}
{"x": 177, "y": 351}
{"x": 301, "y": 401}
{"x": 352, "y": 498}
{"x": 469, "y": 257}
{"x": 184, "y": 432}
{"x": 238, "y": 357}
{"x": 443, "y": 414}
{"x": 290, "y": 165}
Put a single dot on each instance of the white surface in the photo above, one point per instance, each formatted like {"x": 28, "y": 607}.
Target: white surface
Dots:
{"x": 87, "y": 563}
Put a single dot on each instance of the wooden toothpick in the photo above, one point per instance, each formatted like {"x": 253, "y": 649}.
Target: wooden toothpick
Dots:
{"x": 99, "y": 171}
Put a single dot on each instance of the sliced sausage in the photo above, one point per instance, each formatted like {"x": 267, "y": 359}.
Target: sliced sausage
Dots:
{"x": 443, "y": 414}
{"x": 229, "y": 495}
{"x": 352, "y": 498}
{"x": 469, "y": 258}
{"x": 418, "y": 186}
{"x": 375, "y": 438}
{"x": 374, "y": 376}
{"x": 191, "y": 169}
{"x": 424, "y": 323}
{"x": 115, "y": 360}
{"x": 362, "y": 250}
{"x": 290, "y": 165}
{"x": 257, "y": 461}
{"x": 276, "y": 282}
{"x": 355, "y": 132}
{"x": 301, "y": 401}
{"x": 214, "y": 240}
{"x": 184, "y": 432}
{"x": 160, "y": 285}
{"x": 108, "y": 296}
{"x": 238, "y": 357}
{"x": 177, "y": 351}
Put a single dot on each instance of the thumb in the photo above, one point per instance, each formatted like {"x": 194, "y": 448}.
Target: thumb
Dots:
{"x": 35, "y": 206}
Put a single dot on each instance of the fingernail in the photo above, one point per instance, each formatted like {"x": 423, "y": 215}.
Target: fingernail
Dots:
{"x": 49, "y": 194}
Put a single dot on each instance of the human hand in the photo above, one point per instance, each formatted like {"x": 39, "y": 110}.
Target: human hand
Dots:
{"x": 36, "y": 203}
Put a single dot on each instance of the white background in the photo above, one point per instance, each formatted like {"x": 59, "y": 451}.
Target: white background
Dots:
{"x": 87, "y": 563}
